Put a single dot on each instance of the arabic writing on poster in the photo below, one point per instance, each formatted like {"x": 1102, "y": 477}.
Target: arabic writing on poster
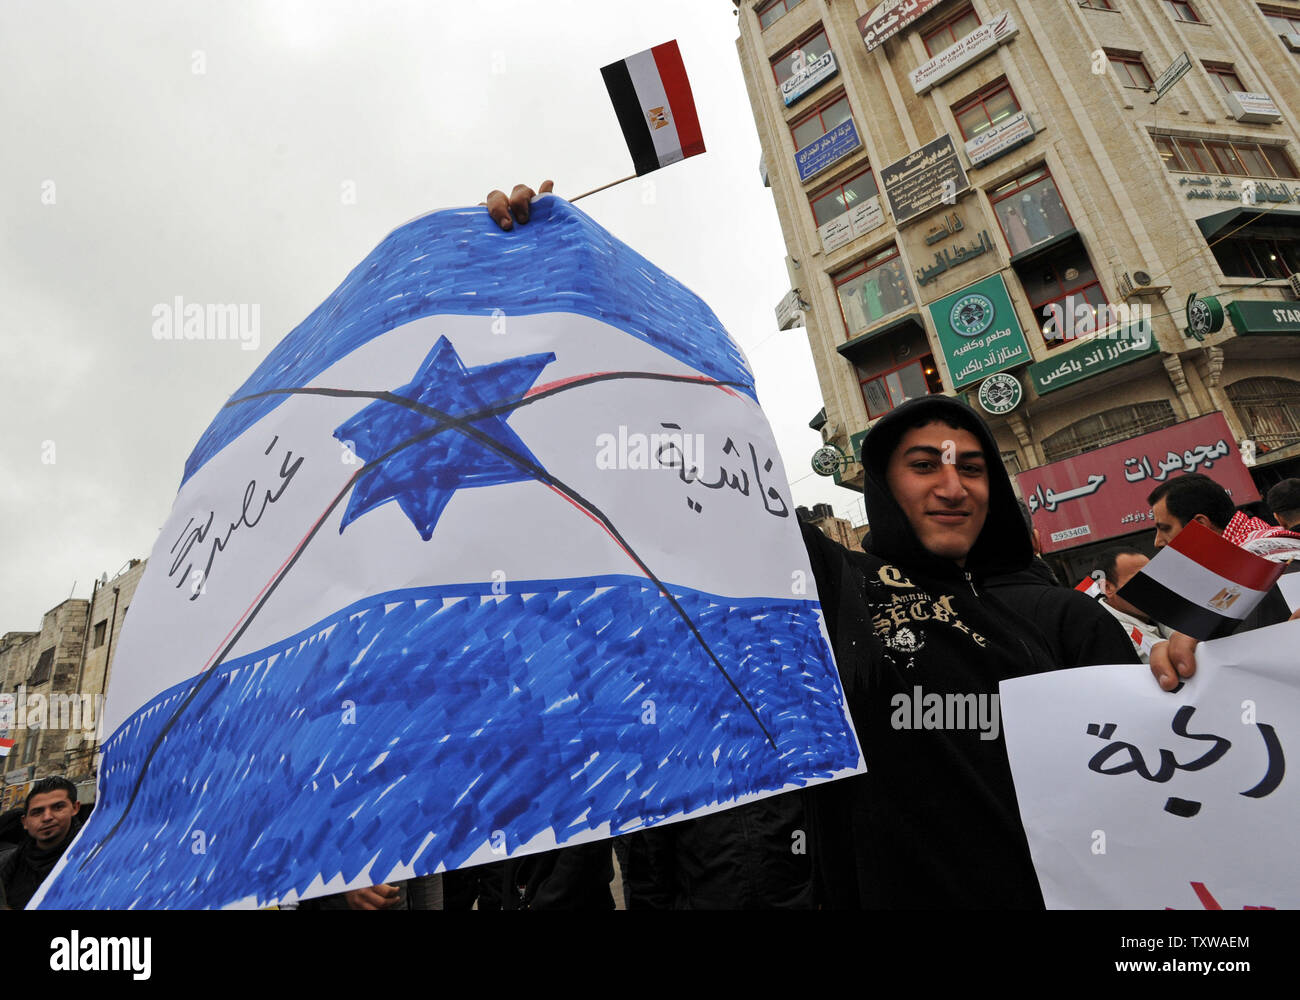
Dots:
{"x": 952, "y": 256}
{"x": 1102, "y": 354}
{"x": 1131, "y": 795}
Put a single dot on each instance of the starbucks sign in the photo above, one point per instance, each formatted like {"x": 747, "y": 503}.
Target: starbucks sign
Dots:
{"x": 979, "y": 332}
{"x": 1000, "y": 393}
{"x": 1204, "y": 316}
{"x": 828, "y": 460}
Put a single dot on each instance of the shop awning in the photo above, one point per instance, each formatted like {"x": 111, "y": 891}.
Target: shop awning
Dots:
{"x": 1213, "y": 225}
{"x": 850, "y": 348}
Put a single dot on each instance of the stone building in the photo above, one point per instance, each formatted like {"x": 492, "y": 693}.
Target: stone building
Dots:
{"x": 1097, "y": 202}
{"x": 52, "y": 684}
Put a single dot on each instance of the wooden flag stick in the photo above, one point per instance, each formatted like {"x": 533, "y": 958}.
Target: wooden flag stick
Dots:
{"x": 630, "y": 177}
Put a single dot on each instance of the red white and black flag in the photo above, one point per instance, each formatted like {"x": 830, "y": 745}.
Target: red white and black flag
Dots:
{"x": 1200, "y": 584}
{"x": 652, "y": 98}
{"x": 1090, "y": 587}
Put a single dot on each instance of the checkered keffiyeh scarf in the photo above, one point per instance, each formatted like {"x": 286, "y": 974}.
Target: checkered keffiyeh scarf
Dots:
{"x": 1261, "y": 538}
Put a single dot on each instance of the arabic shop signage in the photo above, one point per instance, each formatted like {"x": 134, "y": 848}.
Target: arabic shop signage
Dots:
{"x": 1243, "y": 191}
{"x": 1172, "y": 75}
{"x": 821, "y": 153}
{"x": 891, "y": 17}
{"x": 1000, "y": 139}
{"x": 924, "y": 179}
{"x": 1265, "y": 318}
{"x": 950, "y": 257}
{"x": 1098, "y": 354}
{"x": 1248, "y": 106}
{"x": 978, "y": 331}
{"x": 848, "y": 226}
{"x": 807, "y": 79}
{"x": 979, "y": 43}
{"x": 1103, "y": 494}
{"x": 1000, "y": 393}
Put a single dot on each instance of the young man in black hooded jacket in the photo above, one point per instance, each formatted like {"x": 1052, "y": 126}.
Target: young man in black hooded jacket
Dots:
{"x": 934, "y": 822}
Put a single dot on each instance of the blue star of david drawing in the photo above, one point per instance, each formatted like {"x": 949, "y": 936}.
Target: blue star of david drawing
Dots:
{"x": 422, "y": 477}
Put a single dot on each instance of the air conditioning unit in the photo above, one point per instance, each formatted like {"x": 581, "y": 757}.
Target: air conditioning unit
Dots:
{"x": 1131, "y": 282}
{"x": 1292, "y": 42}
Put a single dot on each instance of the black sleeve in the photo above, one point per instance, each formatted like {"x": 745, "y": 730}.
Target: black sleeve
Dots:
{"x": 825, "y": 558}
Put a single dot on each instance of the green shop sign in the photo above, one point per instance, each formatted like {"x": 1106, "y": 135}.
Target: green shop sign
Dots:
{"x": 1137, "y": 340}
{"x": 1265, "y": 319}
{"x": 978, "y": 331}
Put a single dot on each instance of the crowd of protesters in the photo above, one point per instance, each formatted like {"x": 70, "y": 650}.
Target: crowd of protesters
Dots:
{"x": 948, "y": 593}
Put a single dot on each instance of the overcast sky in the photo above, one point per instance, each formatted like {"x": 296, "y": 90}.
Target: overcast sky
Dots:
{"x": 204, "y": 150}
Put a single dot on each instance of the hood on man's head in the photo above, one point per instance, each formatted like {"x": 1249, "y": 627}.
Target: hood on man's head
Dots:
{"x": 1003, "y": 546}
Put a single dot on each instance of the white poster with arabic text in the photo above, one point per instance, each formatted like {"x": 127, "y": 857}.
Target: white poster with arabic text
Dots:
{"x": 1137, "y": 798}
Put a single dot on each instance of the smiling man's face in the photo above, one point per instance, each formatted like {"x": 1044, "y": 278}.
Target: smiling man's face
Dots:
{"x": 945, "y": 502}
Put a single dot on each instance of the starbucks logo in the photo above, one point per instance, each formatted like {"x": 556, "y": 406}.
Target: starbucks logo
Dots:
{"x": 828, "y": 460}
{"x": 971, "y": 315}
{"x": 1000, "y": 393}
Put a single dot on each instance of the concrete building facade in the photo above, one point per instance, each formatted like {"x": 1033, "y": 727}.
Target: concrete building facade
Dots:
{"x": 52, "y": 684}
{"x": 1100, "y": 200}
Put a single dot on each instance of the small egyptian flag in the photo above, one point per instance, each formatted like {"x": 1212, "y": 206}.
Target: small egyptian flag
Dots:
{"x": 1200, "y": 584}
{"x": 655, "y": 109}
{"x": 1090, "y": 588}
{"x": 5, "y": 746}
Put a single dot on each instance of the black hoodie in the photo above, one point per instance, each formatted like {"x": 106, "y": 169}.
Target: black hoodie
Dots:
{"x": 934, "y": 822}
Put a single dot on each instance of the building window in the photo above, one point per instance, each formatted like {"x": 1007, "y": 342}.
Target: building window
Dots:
{"x": 1011, "y": 462}
{"x": 1130, "y": 68}
{"x": 1030, "y": 210}
{"x": 1108, "y": 427}
{"x": 1281, "y": 21}
{"x": 101, "y": 628}
{"x": 985, "y": 109}
{"x": 29, "y": 743}
{"x": 43, "y": 664}
{"x": 1225, "y": 76}
{"x": 884, "y": 391}
{"x": 811, "y": 48}
{"x": 820, "y": 121}
{"x": 872, "y": 289}
{"x": 1220, "y": 156}
{"x": 1096, "y": 4}
{"x": 1270, "y": 409}
{"x": 1259, "y": 250}
{"x": 955, "y": 27}
{"x": 1059, "y": 287}
{"x": 1183, "y": 10}
{"x": 772, "y": 12}
{"x": 844, "y": 196}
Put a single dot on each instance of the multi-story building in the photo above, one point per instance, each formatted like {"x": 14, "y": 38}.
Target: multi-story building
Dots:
{"x": 52, "y": 684}
{"x": 1097, "y": 202}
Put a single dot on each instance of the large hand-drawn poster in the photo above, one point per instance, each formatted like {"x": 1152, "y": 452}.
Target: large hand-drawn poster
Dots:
{"x": 494, "y": 552}
{"x": 1133, "y": 797}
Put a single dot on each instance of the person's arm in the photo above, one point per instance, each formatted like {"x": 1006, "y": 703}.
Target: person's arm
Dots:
{"x": 506, "y": 211}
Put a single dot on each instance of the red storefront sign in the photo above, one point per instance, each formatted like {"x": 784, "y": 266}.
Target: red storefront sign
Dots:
{"x": 1103, "y": 494}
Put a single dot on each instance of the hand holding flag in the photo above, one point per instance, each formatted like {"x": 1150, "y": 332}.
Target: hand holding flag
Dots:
{"x": 1200, "y": 584}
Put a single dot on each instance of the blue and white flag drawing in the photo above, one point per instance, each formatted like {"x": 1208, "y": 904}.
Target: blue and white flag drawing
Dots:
{"x": 493, "y": 553}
